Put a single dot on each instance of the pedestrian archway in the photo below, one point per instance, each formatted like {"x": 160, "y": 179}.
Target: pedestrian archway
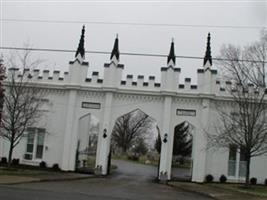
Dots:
{"x": 182, "y": 159}
{"x": 87, "y": 143}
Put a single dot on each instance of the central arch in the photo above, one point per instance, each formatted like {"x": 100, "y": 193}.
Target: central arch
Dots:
{"x": 133, "y": 145}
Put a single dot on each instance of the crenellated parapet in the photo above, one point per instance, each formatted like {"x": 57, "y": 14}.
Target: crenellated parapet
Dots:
{"x": 94, "y": 79}
{"x": 38, "y": 76}
{"x": 139, "y": 83}
{"x": 208, "y": 81}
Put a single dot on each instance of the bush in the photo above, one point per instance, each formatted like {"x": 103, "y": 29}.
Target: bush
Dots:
{"x": 3, "y": 160}
{"x": 55, "y": 167}
{"x": 15, "y": 161}
{"x": 265, "y": 182}
{"x": 253, "y": 181}
{"x": 209, "y": 178}
{"x": 223, "y": 179}
{"x": 133, "y": 157}
{"x": 42, "y": 164}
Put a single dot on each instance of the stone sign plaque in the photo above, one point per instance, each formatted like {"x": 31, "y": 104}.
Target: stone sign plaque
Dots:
{"x": 91, "y": 105}
{"x": 185, "y": 112}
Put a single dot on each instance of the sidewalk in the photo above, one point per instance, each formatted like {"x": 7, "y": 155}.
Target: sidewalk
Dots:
{"x": 14, "y": 179}
{"x": 214, "y": 192}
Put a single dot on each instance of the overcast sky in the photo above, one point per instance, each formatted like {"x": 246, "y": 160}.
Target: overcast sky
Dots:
{"x": 189, "y": 41}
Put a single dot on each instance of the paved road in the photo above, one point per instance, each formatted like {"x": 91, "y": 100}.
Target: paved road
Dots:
{"x": 126, "y": 184}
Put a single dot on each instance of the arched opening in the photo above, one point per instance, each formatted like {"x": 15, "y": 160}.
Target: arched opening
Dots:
{"x": 182, "y": 162}
{"x": 87, "y": 143}
{"x": 134, "y": 146}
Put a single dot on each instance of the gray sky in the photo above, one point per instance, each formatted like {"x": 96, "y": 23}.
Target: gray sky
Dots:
{"x": 189, "y": 41}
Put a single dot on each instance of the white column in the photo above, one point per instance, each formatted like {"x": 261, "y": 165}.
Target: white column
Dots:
{"x": 166, "y": 148}
{"x": 237, "y": 165}
{"x": 103, "y": 146}
{"x": 200, "y": 151}
{"x": 67, "y": 157}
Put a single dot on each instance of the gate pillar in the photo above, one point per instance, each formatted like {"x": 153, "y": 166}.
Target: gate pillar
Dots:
{"x": 103, "y": 145}
{"x": 167, "y": 142}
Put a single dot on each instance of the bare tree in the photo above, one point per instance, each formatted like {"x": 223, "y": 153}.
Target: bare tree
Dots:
{"x": 128, "y": 128}
{"x": 21, "y": 101}
{"x": 244, "y": 125}
{"x": 158, "y": 144}
{"x": 2, "y": 77}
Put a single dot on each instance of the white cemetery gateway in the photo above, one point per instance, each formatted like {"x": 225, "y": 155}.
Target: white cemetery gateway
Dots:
{"x": 73, "y": 98}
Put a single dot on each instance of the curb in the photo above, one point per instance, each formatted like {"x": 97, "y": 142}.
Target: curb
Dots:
{"x": 48, "y": 180}
{"x": 65, "y": 179}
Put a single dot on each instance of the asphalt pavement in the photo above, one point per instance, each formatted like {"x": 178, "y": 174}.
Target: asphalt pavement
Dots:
{"x": 130, "y": 182}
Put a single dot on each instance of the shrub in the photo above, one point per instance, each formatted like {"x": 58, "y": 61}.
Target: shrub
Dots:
{"x": 42, "y": 164}
{"x": 223, "y": 179}
{"x": 133, "y": 157}
{"x": 15, "y": 161}
{"x": 55, "y": 167}
{"x": 253, "y": 181}
{"x": 265, "y": 182}
{"x": 3, "y": 160}
{"x": 209, "y": 178}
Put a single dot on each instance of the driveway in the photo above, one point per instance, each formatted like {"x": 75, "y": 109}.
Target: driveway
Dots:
{"x": 135, "y": 171}
{"x": 130, "y": 182}
{"x": 145, "y": 172}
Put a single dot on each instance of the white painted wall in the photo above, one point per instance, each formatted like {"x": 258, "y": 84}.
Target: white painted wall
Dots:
{"x": 64, "y": 113}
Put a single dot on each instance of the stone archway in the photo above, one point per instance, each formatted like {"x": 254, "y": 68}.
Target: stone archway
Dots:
{"x": 133, "y": 139}
{"x": 183, "y": 154}
{"x": 88, "y": 130}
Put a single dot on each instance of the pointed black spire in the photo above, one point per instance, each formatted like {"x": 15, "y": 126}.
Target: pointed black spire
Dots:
{"x": 115, "y": 50}
{"x": 171, "y": 55}
{"x": 80, "y": 49}
{"x": 208, "y": 52}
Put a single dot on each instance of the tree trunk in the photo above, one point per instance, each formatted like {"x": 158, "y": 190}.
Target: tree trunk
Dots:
{"x": 124, "y": 148}
{"x": 247, "y": 170}
{"x": 10, "y": 153}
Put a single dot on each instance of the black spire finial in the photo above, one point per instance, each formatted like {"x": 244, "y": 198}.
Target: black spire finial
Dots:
{"x": 115, "y": 50}
{"x": 171, "y": 55}
{"x": 80, "y": 49}
{"x": 208, "y": 52}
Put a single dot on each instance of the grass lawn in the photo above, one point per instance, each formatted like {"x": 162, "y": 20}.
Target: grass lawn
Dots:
{"x": 26, "y": 172}
{"x": 259, "y": 190}
{"x": 142, "y": 160}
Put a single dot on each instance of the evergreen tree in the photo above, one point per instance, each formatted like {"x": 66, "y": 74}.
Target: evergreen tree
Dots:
{"x": 182, "y": 143}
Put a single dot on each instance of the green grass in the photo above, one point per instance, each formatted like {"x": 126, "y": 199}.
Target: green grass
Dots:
{"x": 258, "y": 190}
{"x": 25, "y": 172}
{"x": 186, "y": 165}
{"x": 90, "y": 162}
{"x": 142, "y": 159}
